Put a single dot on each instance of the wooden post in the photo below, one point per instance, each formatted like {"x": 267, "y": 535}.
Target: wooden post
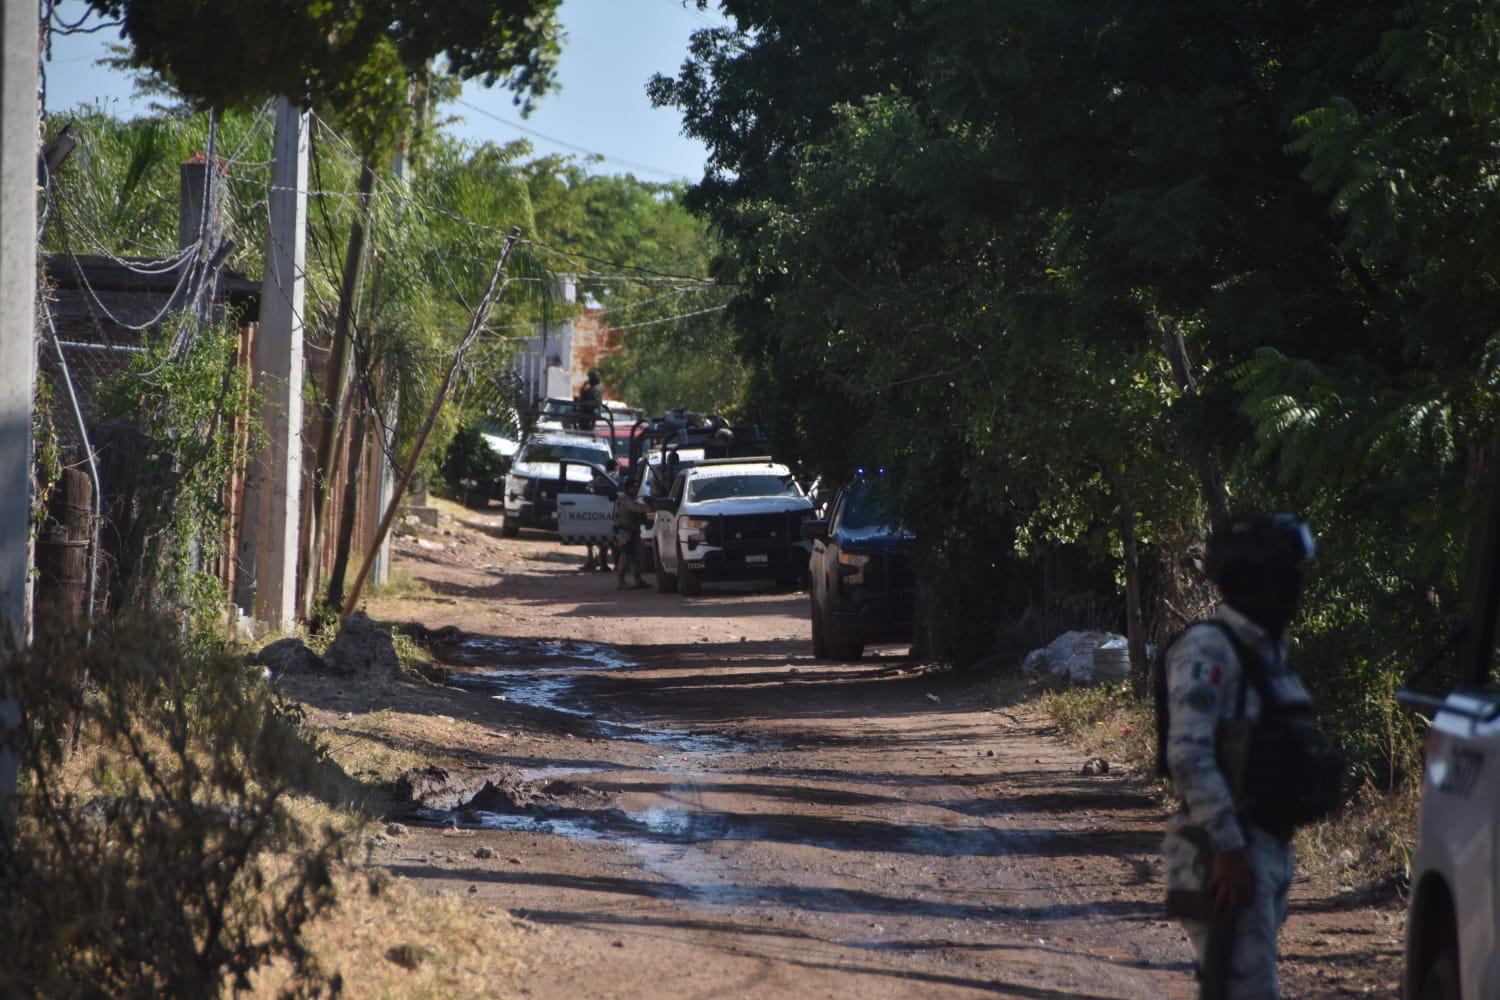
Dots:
{"x": 273, "y": 498}
{"x": 62, "y": 551}
{"x": 18, "y": 157}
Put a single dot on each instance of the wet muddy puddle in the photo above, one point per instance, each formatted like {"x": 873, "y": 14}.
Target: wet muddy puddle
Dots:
{"x": 697, "y": 828}
{"x": 549, "y": 680}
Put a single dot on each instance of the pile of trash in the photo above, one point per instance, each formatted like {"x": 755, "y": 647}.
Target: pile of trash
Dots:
{"x": 1080, "y": 658}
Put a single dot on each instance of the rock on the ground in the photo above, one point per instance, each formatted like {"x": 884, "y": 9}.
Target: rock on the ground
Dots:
{"x": 1095, "y": 766}
{"x": 397, "y": 830}
{"x": 505, "y": 797}
{"x": 484, "y": 853}
{"x": 436, "y": 787}
{"x": 289, "y": 656}
{"x": 408, "y": 956}
{"x": 363, "y": 649}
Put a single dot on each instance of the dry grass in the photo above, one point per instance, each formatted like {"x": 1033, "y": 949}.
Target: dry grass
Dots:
{"x": 1110, "y": 721}
{"x": 1368, "y": 845}
{"x": 387, "y": 940}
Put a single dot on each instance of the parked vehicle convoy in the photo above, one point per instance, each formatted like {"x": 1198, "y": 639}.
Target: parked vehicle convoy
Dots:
{"x": 861, "y": 583}
{"x": 730, "y": 519}
{"x": 537, "y": 475}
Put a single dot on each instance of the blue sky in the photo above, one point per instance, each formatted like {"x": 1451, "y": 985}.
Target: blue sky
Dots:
{"x": 611, "y": 50}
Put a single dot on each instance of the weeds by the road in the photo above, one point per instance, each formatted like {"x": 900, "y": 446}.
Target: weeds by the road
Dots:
{"x": 1368, "y": 844}
{"x": 386, "y": 940}
{"x": 161, "y": 858}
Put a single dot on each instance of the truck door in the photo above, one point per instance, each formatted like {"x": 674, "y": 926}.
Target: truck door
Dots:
{"x": 665, "y": 528}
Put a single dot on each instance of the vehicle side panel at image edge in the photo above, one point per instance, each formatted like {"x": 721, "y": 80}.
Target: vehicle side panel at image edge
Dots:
{"x": 1454, "y": 912}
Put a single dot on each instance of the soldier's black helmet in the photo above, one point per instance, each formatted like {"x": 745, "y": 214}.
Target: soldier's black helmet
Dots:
{"x": 594, "y": 377}
{"x": 1257, "y": 540}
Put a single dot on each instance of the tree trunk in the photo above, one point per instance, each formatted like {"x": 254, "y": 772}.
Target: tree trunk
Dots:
{"x": 337, "y": 374}
{"x": 1214, "y": 492}
{"x": 1135, "y": 624}
{"x": 349, "y": 514}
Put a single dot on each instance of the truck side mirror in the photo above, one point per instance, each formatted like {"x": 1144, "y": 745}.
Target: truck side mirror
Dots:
{"x": 815, "y": 530}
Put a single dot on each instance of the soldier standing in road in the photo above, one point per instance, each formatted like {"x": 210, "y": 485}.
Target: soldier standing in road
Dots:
{"x": 630, "y": 513}
{"x": 1226, "y": 699}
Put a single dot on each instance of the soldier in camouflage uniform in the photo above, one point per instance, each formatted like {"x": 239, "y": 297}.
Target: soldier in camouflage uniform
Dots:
{"x": 1210, "y": 850}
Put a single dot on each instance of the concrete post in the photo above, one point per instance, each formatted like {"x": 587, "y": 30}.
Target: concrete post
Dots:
{"x": 385, "y": 486}
{"x": 273, "y": 501}
{"x": 18, "y": 156}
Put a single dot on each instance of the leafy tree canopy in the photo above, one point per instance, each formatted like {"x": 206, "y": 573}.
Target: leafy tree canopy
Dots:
{"x": 337, "y": 54}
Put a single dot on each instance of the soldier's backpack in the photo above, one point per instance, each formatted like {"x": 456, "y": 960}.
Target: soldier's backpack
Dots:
{"x": 1285, "y": 772}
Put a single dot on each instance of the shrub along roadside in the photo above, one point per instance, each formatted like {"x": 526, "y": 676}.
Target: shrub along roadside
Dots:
{"x": 164, "y": 859}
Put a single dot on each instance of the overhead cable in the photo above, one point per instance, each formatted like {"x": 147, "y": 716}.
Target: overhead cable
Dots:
{"x": 574, "y": 147}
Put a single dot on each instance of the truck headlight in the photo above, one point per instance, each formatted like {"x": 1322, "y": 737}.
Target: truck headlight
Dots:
{"x": 852, "y": 567}
{"x": 696, "y": 523}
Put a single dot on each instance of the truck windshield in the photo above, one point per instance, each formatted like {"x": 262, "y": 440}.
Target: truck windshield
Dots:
{"x": 733, "y": 487}
{"x": 868, "y": 506}
{"x": 569, "y": 452}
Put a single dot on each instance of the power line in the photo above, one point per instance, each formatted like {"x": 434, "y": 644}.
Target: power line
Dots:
{"x": 691, "y": 10}
{"x": 671, "y": 319}
{"x": 646, "y": 168}
{"x": 619, "y": 265}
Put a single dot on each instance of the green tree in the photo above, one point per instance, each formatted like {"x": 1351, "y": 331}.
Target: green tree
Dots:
{"x": 1072, "y": 267}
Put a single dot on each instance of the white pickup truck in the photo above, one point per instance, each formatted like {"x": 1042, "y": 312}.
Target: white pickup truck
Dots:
{"x": 536, "y": 478}
{"x": 730, "y": 519}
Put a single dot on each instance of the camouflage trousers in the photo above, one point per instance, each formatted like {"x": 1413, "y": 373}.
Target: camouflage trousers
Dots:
{"x": 1252, "y": 962}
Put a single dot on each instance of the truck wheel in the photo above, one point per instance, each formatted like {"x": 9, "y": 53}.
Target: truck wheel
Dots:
{"x": 508, "y": 528}
{"x": 840, "y": 646}
{"x": 689, "y": 581}
{"x": 666, "y": 583}
{"x": 648, "y": 558}
{"x": 1440, "y": 978}
{"x": 820, "y": 642}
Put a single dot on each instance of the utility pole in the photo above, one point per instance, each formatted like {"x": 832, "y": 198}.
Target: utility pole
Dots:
{"x": 18, "y": 168}
{"x": 385, "y": 487}
{"x": 273, "y": 501}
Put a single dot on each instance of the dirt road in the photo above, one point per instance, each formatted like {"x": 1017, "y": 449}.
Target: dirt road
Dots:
{"x": 694, "y": 807}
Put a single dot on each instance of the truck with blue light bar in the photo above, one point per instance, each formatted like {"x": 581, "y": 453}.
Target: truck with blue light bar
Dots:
{"x": 862, "y": 585}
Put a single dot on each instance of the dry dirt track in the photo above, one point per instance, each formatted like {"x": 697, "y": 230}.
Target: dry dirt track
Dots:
{"x": 734, "y": 819}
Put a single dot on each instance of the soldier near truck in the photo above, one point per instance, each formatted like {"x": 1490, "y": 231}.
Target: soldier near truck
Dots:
{"x": 630, "y": 515}
{"x": 1236, "y": 736}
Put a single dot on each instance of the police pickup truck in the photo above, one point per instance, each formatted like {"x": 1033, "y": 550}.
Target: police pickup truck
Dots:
{"x": 537, "y": 476}
{"x": 730, "y": 519}
{"x": 1453, "y": 923}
